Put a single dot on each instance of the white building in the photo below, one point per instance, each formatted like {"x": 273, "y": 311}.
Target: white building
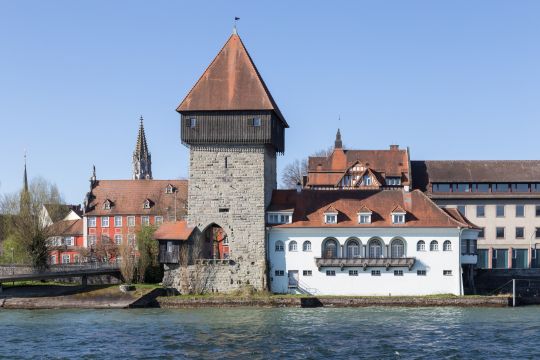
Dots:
{"x": 388, "y": 242}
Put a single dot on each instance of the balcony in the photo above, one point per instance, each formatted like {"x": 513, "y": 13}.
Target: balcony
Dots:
{"x": 365, "y": 262}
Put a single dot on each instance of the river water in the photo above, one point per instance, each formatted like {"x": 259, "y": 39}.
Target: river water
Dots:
{"x": 255, "y": 333}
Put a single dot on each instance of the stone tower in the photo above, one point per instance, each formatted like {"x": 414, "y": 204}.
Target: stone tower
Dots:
{"x": 234, "y": 130}
{"x": 142, "y": 160}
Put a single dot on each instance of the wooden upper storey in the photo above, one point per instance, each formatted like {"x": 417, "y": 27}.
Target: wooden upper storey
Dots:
{"x": 231, "y": 104}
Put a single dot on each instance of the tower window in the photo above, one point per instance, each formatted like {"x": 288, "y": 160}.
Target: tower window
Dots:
{"x": 191, "y": 123}
{"x": 256, "y": 122}
{"x": 226, "y": 162}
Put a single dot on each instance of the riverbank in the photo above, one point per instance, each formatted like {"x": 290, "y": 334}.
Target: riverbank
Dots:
{"x": 55, "y": 296}
{"x": 183, "y": 302}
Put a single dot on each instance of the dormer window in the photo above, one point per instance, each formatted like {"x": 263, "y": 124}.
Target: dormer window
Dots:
{"x": 364, "y": 218}
{"x": 366, "y": 180}
{"x": 107, "y": 205}
{"x": 330, "y": 218}
{"x": 280, "y": 218}
{"x": 169, "y": 189}
{"x": 393, "y": 181}
{"x": 398, "y": 218}
{"x": 147, "y": 204}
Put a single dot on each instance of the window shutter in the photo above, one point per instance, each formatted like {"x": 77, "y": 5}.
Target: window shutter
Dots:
{"x": 250, "y": 121}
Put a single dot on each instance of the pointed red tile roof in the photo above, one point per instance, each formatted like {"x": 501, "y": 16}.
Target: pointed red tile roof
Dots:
{"x": 398, "y": 209}
{"x": 364, "y": 209}
{"x": 231, "y": 82}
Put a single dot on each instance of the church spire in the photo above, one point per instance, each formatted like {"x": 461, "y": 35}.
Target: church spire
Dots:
{"x": 25, "y": 176}
{"x": 338, "y": 144}
{"x": 142, "y": 160}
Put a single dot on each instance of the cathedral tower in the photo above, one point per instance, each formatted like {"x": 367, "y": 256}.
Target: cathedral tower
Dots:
{"x": 142, "y": 160}
{"x": 234, "y": 130}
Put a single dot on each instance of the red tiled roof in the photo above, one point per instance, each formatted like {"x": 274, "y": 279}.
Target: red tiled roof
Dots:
{"x": 328, "y": 171}
{"x": 364, "y": 209}
{"x": 66, "y": 228}
{"x": 310, "y": 205}
{"x": 231, "y": 82}
{"x": 128, "y": 197}
{"x": 176, "y": 230}
{"x": 398, "y": 209}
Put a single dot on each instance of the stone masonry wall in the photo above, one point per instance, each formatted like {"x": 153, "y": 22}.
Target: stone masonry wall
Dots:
{"x": 230, "y": 186}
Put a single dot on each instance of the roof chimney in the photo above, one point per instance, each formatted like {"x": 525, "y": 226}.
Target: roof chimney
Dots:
{"x": 338, "y": 144}
{"x": 394, "y": 147}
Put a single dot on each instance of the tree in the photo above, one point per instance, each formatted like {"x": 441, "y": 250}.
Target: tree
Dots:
{"x": 25, "y": 221}
{"x": 127, "y": 263}
{"x": 294, "y": 172}
{"x": 13, "y": 251}
{"x": 148, "y": 266}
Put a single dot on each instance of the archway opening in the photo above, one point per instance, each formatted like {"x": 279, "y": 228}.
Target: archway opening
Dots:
{"x": 216, "y": 243}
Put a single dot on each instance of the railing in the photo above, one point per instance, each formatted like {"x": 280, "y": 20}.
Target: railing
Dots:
{"x": 365, "y": 262}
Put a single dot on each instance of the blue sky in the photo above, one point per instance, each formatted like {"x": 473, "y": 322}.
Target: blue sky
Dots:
{"x": 452, "y": 80}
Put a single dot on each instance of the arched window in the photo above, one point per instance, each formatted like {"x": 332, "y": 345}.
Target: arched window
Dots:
{"x": 279, "y": 245}
{"x": 353, "y": 249}
{"x": 293, "y": 246}
{"x": 306, "y": 246}
{"x": 434, "y": 246}
{"x": 447, "y": 246}
{"x": 421, "y": 245}
{"x": 397, "y": 248}
{"x": 375, "y": 249}
{"x": 330, "y": 249}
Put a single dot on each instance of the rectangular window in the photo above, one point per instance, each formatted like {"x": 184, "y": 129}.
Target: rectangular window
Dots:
{"x": 69, "y": 241}
{"x": 482, "y": 234}
{"x": 480, "y": 211}
{"x": 279, "y": 273}
{"x": 145, "y": 220}
{"x": 375, "y": 272}
{"x": 104, "y": 221}
{"x": 353, "y": 272}
{"x": 169, "y": 246}
{"x": 398, "y": 218}
{"x": 118, "y": 239}
{"x": 537, "y": 211}
{"x": 398, "y": 272}
{"x": 117, "y": 221}
{"x": 500, "y": 187}
{"x": 91, "y": 221}
{"x": 480, "y": 187}
{"x": 421, "y": 272}
{"x": 226, "y": 162}
{"x": 330, "y": 272}
{"x": 256, "y": 122}
{"x": 535, "y": 187}
{"x": 500, "y": 210}
{"x": 191, "y": 122}
{"x": 307, "y": 273}
{"x": 330, "y": 218}
{"x": 285, "y": 219}
{"x": 393, "y": 181}
{"x": 520, "y": 210}
{"x": 520, "y": 233}
{"x": 461, "y": 188}
{"x": 441, "y": 187}
{"x": 499, "y": 232}
{"x": 158, "y": 220}
{"x": 364, "y": 219}
{"x": 131, "y": 221}
{"x": 461, "y": 209}
{"x": 447, "y": 272}
{"x": 65, "y": 259}
{"x": 537, "y": 233}
{"x": 520, "y": 187}
{"x": 91, "y": 240}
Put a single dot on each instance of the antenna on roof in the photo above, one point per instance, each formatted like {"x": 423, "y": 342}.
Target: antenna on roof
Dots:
{"x": 234, "y": 31}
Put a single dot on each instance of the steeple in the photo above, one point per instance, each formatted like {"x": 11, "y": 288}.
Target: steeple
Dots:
{"x": 25, "y": 176}
{"x": 338, "y": 144}
{"x": 142, "y": 160}
{"x": 24, "y": 200}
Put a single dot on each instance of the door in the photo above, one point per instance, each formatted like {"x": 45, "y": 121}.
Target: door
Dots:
{"x": 293, "y": 278}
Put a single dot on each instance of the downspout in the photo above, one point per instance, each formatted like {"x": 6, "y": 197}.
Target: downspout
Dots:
{"x": 268, "y": 264}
